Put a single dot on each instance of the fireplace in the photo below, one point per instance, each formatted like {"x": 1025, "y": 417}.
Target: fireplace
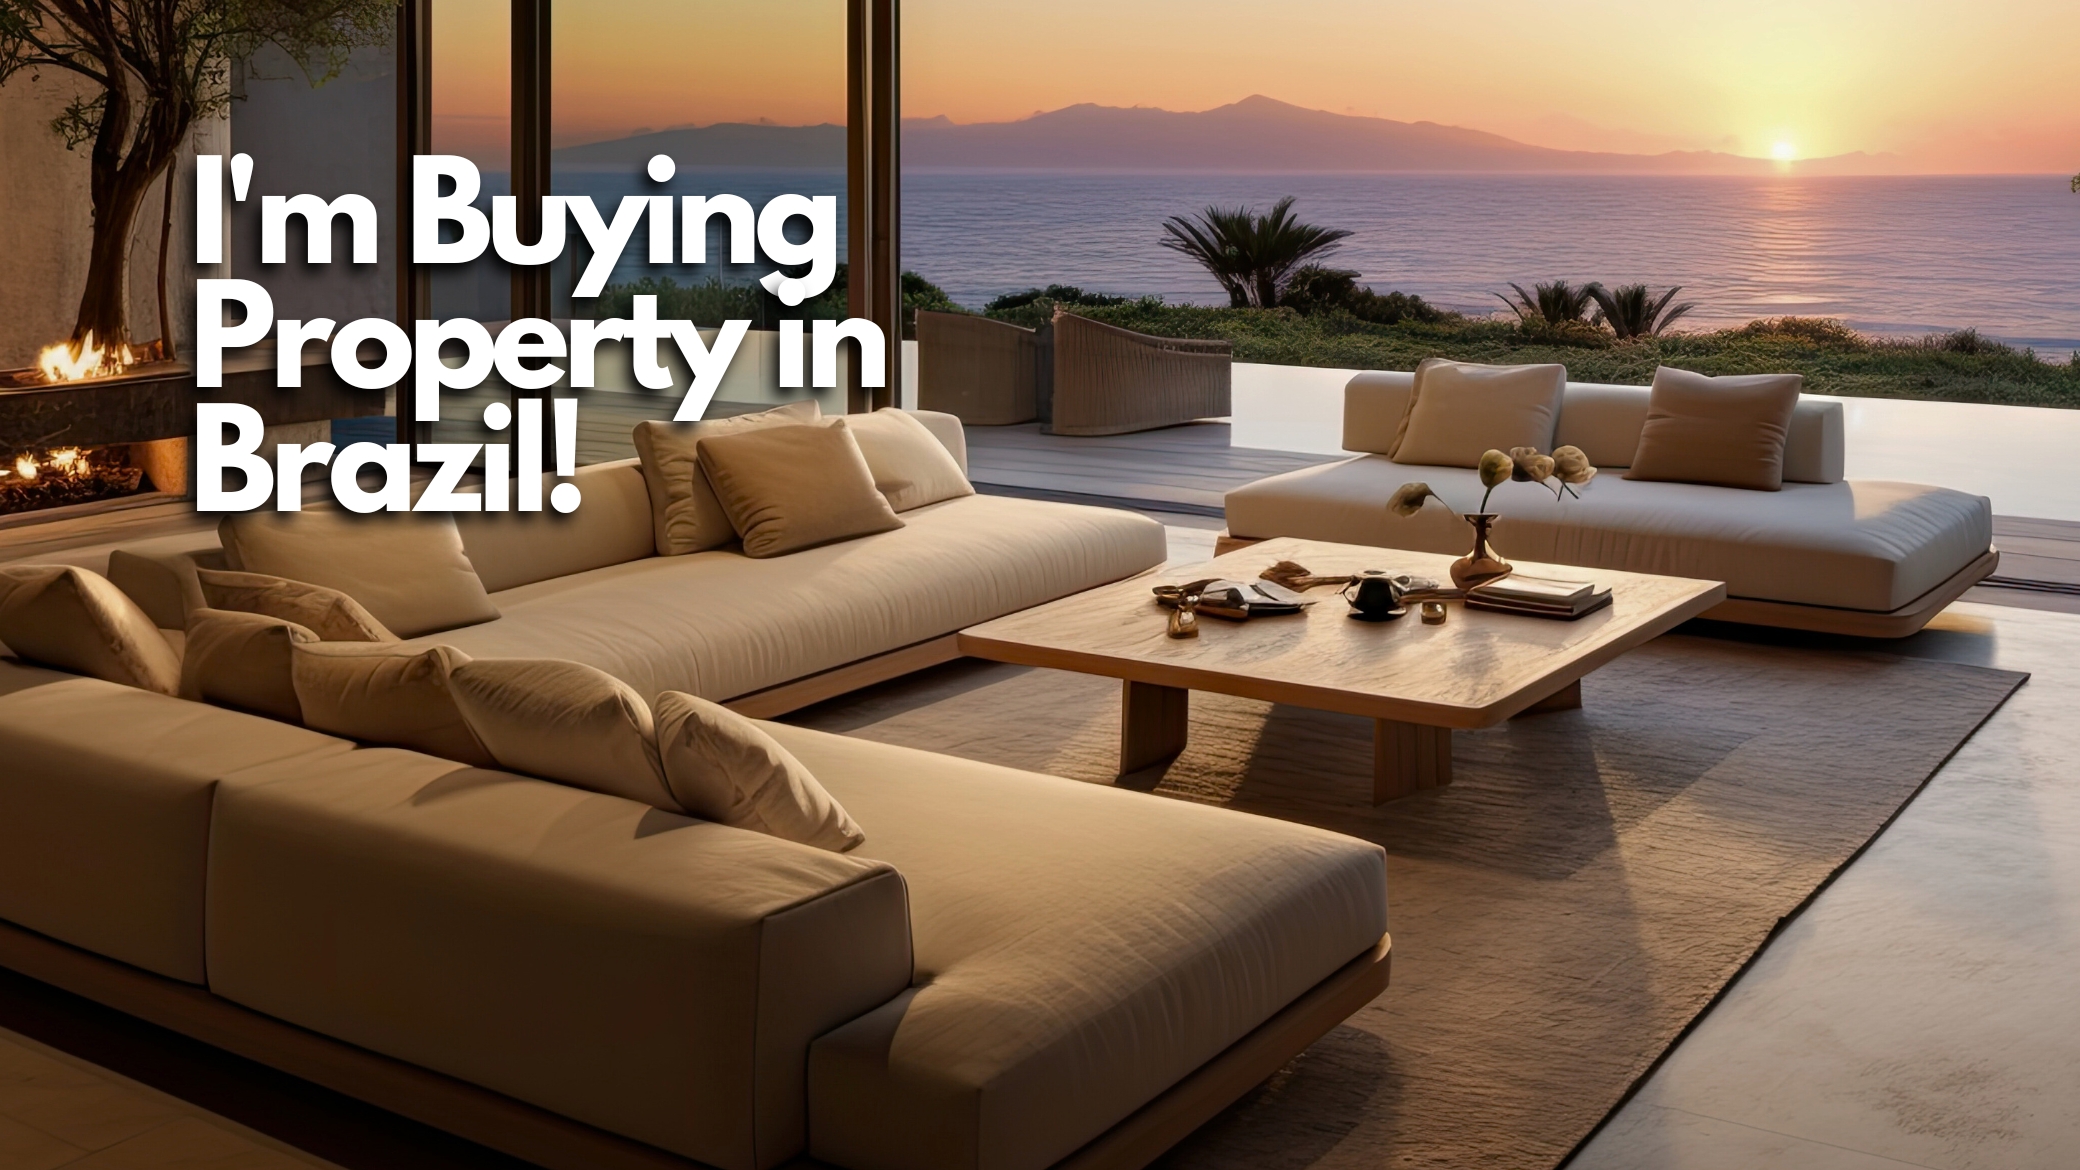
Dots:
{"x": 121, "y": 440}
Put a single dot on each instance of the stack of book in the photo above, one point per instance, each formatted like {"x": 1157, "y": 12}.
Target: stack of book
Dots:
{"x": 1539, "y": 597}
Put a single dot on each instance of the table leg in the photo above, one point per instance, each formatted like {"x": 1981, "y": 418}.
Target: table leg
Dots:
{"x": 1567, "y": 698}
{"x": 1152, "y": 725}
{"x": 1407, "y": 758}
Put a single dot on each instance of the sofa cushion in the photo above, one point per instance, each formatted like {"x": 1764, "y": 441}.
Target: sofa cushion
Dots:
{"x": 330, "y": 616}
{"x": 1726, "y": 431}
{"x": 718, "y": 624}
{"x": 790, "y": 488}
{"x": 75, "y": 620}
{"x": 563, "y": 721}
{"x": 105, "y": 836}
{"x": 911, "y": 466}
{"x": 1458, "y": 411}
{"x": 612, "y": 525}
{"x": 685, "y": 515}
{"x": 383, "y": 694}
{"x": 722, "y": 767}
{"x": 1080, "y": 949}
{"x": 636, "y": 970}
{"x": 408, "y": 569}
{"x": 241, "y": 660}
{"x": 1863, "y": 545}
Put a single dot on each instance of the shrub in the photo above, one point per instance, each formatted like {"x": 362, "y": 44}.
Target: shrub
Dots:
{"x": 1314, "y": 290}
{"x": 1968, "y": 341}
{"x": 1552, "y": 302}
{"x": 1632, "y": 312}
{"x": 1251, "y": 255}
{"x": 1065, "y": 294}
{"x": 1822, "y": 331}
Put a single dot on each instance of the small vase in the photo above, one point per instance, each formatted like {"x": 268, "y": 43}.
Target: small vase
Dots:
{"x": 1482, "y": 565}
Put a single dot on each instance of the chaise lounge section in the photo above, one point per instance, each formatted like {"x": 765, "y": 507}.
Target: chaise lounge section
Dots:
{"x": 1826, "y": 553}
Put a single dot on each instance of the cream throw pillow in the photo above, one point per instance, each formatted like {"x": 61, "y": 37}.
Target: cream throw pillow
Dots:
{"x": 791, "y": 488}
{"x": 408, "y": 570}
{"x": 1459, "y": 411}
{"x": 68, "y": 618}
{"x": 911, "y": 467}
{"x": 563, "y": 721}
{"x": 242, "y": 660}
{"x": 1727, "y": 432}
{"x": 723, "y": 767}
{"x": 684, "y": 513}
{"x": 381, "y": 693}
{"x": 328, "y": 613}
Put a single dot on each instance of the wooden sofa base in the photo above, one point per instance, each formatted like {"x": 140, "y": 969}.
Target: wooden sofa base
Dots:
{"x": 558, "y": 1143}
{"x": 804, "y": 692}
{"x": 1819, "y": 619}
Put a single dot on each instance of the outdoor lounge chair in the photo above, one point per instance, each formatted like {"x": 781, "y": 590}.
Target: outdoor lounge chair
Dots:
{"x": 1109, "y": 381}
{"x": 982, "y": 372}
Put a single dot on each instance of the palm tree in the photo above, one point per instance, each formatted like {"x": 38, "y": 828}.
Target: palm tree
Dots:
{"x": 1632, "y": 311}
{"x": 1251, "y": 255}
{"x": 1554, "y": 302}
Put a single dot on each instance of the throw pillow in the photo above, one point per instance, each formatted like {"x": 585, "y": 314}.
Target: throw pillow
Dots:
{"x": 1728, "y": 432}
{"x": 723, "y": 767}
{"x": 381, "y": 693}
{"x": 791, "y": 488}
{"x": 68, "y": 618}
{"x": 563, "y": 721}
{"x": 684, "y": 513}
{"x": 242, "y": 660}
{"x": 328, "y": 613}
{"x": 1459, "y": 411}
{"x": 408, "y": 570}
{"x": 911, "y": 467}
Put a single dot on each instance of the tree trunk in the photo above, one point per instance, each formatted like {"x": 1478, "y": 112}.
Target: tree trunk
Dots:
{"x": 104, "y": 305}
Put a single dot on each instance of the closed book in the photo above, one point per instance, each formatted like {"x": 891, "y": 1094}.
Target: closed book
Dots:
{"x": 1538, "y": 590}
{"x": 1479, "y": 599}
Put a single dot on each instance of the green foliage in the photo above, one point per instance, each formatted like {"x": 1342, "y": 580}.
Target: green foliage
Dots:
{"x": 1060, "y": 294}
{"x": 711, "y": 302}
{"x": 1631, "y": 311}
{"x": 1251, "y": 255}
{"x": 1834, "y": 359}
{"x": 1552, "y": 302}
{"x": 919, "y": 293}
{"x": 1315, "y": 290}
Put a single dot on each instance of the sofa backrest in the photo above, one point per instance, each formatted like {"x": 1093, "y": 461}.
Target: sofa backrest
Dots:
{"x": 610, "y": 526}
{"x": 1603, "y": 420}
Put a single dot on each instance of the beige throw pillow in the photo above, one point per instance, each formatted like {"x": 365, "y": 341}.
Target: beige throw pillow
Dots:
{"x": 791, "y": 488}
{"x": 408, "y": 570}
{"x": 68, "y": 618}
{"x": 684, "y": 513}
{"x": 1728, "y": 432}
{"x": 377, "y": 692}
{"x": 911, "y": 467}
{"x": 242, "y": 660}
{"x": 328, "y": 613}
{"x": 1459, "y": 411}
{"x": 563, "y": 721}
{"x": 723, "y": 767}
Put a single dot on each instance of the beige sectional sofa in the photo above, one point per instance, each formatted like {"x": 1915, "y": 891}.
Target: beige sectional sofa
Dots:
{"x": 1014, "y": 971}
{"x": 1826, "y": 553}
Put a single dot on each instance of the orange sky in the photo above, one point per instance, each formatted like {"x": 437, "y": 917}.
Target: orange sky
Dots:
{"x": 1990, "y": 86}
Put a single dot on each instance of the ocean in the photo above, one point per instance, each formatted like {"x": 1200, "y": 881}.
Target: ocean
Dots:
{"x": 1898, "y": 256}
{"x": 1895, "y": 256}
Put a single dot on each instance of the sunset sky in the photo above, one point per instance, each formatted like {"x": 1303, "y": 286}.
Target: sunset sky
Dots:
{"x": 1988, "y": 87}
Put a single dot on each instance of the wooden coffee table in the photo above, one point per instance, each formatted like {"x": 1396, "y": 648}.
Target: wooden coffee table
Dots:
{"x": 1417, "y": 682}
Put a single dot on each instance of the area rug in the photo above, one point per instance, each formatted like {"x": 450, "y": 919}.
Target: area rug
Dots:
{"x": 1586, "y": 886}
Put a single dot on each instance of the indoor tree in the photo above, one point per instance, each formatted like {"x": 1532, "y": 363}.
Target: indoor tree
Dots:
{"x": 1253, "y": 256}
{"x": 157, "y": 67}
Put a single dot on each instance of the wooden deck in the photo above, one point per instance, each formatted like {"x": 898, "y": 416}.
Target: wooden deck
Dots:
{"x": 1183, "y": 470}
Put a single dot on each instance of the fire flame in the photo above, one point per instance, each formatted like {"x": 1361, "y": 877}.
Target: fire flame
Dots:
{"x": 66, "y": 462}
{"x": 70, "y": 362}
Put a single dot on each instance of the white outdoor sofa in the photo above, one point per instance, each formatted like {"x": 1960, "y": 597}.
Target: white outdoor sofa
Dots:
{"x": 1829, "y": 554}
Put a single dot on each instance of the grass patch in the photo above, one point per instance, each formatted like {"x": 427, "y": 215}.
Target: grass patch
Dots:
{"x": 1957, "y": 367}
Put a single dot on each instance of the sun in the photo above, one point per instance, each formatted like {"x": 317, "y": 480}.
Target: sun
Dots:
{"x": 1784, "y": 151}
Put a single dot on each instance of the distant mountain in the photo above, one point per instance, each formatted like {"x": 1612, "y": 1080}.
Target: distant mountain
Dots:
{"x": 1255, "y": 134}
{"x": 725, "y": 144}
{"x": 1262, "y": 134}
